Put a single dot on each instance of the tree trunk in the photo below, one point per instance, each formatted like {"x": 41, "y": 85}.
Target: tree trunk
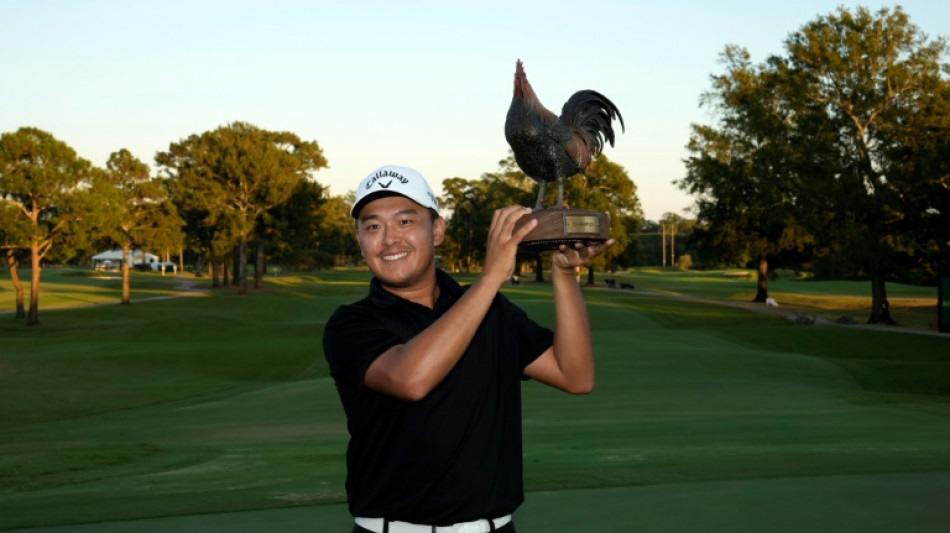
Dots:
{"x": 125, "y": 276}
{"x": 225, "y": 274}
{"x": 538, "y": 268}
{"x": 673, "y": 247}
{"x": 181, "y": 259}
{"x": 199, "y": 265}
{"x": 241, "y": 274}
{"x": 236, "y": 265}
{"x": 259, "y": 265}
{"x": 215, "y": 281}
{"x": 943, "y": 288}
{"x": 880, "y": 308}
{"x": 590, "y": 274}
{"x": 663, "y": 244}
{"x": 762, "y": 292}
{"x": 13, "y": 264}
{"x": 32, "y": 317}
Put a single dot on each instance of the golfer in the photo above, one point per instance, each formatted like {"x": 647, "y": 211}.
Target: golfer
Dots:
{"x": 429, "y": 372}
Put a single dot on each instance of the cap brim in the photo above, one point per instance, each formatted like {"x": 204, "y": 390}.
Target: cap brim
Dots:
{"x": 358, "y": 206}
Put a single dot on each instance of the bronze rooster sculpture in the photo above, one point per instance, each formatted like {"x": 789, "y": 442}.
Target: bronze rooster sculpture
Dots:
{"x": 548, "y": 147}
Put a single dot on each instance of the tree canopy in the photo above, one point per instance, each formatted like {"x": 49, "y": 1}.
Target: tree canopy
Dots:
{"x": 812, "y": 147}
{"x": 229, "y": 177}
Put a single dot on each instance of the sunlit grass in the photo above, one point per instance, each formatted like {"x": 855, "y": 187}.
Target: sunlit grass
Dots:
{"x": 911, "y": 305}
{"x": 77, "y": 286}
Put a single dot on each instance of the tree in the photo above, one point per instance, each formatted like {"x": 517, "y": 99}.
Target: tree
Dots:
{"x": 234, "y": 174}
{"x": 743, "y": 169}
{"x": 137, "y": 206}
{"x": 44, "y": 180}
{"x": 870, "y": 73}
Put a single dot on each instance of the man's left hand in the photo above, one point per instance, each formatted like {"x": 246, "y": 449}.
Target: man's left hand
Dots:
{"x": 567, "y": 257}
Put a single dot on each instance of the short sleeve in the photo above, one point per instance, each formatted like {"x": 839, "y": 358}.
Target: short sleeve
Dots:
{"x": 352, "y": 340}
{"x": 532, "y": 338}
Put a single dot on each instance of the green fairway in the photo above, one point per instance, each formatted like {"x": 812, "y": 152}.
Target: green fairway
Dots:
{"x": 221, "y": 404}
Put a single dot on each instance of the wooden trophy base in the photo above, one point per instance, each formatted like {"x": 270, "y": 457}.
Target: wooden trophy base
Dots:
{"x": 561, "y": 225}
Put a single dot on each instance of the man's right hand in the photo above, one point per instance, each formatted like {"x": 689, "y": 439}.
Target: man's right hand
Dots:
{"x": 503, "y": 243}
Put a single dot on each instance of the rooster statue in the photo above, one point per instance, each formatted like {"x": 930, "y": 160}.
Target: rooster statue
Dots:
{"x": 548, "y": 147}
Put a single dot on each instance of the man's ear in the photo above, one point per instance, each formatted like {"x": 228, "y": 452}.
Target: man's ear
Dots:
{"x": 438, "y": 231}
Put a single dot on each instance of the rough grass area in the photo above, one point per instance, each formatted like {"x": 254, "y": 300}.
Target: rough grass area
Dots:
{"x": 222, "y": 403}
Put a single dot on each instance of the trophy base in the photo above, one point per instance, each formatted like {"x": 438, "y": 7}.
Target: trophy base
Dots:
{"x": 560, "y": 225}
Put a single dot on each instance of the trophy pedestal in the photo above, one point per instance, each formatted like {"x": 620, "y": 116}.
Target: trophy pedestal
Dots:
{"x": 561, "y": 225}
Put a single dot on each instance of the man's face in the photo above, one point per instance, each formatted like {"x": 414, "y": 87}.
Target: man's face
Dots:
{"x": 398, "y": 239}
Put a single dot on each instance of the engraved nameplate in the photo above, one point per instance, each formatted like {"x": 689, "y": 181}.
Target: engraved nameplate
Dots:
{"x": 581, "y": 225}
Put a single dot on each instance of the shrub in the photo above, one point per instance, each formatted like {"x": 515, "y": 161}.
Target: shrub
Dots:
{"x": 684, "y": 262}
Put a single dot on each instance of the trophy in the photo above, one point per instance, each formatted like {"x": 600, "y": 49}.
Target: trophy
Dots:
{"x": 551, "y": 148}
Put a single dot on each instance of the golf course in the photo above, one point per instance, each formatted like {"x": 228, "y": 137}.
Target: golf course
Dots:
{"x": 195, "y": 409}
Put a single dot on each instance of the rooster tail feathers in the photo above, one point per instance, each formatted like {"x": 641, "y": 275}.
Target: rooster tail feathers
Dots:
{"x": 591, "y": 115}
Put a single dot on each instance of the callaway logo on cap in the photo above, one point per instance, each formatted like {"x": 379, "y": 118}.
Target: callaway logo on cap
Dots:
{"x": 391, "y": 179}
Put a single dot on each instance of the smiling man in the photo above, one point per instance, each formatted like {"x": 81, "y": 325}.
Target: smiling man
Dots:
{"x": 429, "y": 372}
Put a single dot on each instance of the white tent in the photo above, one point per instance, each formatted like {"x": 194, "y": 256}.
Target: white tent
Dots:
{"x": 114, "y": 258}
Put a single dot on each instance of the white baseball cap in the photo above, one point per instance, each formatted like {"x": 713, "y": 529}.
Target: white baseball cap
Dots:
{"x": 388, "y": 180}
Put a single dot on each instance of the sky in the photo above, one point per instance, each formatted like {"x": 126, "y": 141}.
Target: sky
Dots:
{"x": 419, "y": 84}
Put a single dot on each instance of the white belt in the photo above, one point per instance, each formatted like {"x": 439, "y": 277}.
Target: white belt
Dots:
{"x": 478, "y": 526}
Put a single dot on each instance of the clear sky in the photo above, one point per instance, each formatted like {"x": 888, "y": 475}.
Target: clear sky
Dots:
{"x": 421, "y": 84}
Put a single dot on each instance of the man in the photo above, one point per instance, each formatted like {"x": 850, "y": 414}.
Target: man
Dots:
{"x": 429, "y": 372}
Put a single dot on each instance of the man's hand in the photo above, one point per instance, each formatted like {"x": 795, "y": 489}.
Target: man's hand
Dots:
{"x": 503, "y": 242}
{"x": 566, "y": 258}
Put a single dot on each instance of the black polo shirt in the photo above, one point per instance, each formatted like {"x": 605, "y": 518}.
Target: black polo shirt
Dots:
{"x": 455, "y": 455}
